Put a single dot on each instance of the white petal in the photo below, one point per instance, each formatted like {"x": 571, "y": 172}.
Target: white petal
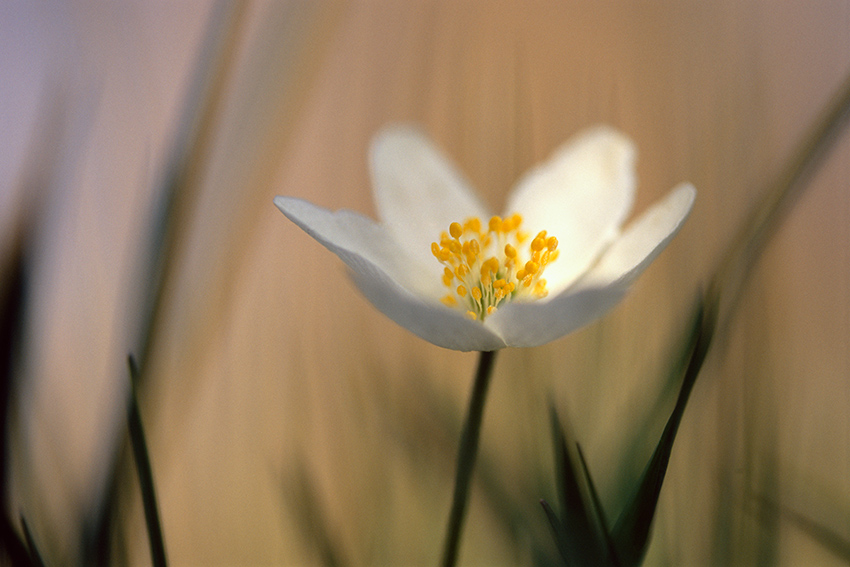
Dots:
{"x": 380, "y": 270}
{"x": 581, "y": 196}
{"x": 431, "y": 321}
{"x": 534, "y": 323}
{"x": 418, "y": 192}
{"x": 642, "y": 241}
{"x": 354, "y": 238}
{"x": 539, "y": 322}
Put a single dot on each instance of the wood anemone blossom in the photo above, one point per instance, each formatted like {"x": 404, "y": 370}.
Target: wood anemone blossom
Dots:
{"x": 444, "y": 268}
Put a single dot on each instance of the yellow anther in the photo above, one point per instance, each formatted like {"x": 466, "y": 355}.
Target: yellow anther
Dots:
{"x": 538, "y": 244}
{"x": 483, "y": 269}
{"x": 540, "y": 289}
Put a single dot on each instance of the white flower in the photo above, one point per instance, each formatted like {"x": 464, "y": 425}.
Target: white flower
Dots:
{"x": 439, "y": 265}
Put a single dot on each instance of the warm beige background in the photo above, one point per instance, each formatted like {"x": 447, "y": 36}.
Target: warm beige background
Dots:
{"x": 270, "y": 379}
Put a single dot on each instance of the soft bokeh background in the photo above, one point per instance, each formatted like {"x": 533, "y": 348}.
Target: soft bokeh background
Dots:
{"x": 289, "y": 422}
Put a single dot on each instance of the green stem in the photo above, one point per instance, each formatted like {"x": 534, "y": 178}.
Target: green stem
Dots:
{"x": 467, "y": 452}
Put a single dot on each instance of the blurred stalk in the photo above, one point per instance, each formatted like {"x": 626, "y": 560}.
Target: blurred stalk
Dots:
{"x": 467, "y": 452}
{"x": 737, "y": 264}
{"x": 193, "y": 140}
{"x": 145, "y": 472}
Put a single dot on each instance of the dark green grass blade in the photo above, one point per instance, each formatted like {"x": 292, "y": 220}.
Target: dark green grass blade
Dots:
{"x": 557, "y": 531}
{"x": 143, "y": 468}
{"x": 631, "y": 533}
{"x": 580, "y": 532}
{"x": 34, "y": 556}
{"x": 301, "y": 498}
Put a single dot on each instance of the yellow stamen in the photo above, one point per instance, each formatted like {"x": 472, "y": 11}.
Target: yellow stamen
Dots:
{"x": 484, "y": 266}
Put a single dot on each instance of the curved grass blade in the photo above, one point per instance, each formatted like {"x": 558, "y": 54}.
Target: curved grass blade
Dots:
{"x": 34, "y": 556}
{"x": 631, "y": 532}
{"x": 143, "y": 468}
{"x": 581, "y": 534}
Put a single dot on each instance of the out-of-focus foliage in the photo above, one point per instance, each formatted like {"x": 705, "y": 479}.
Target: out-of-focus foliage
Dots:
{"x": 287, "y": 422}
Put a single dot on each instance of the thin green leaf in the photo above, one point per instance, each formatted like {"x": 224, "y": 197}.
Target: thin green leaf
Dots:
{"x": 608, "y": 541}
{"x": 301, "y": 497}
{"x": 558, "y": 533}
{"x": 582, "y": 539}
{"x": 143, "y": 468}
{"x": 34, "y": 555}
{"x": 631, "y": 533}
{"x": 824, "y": 535}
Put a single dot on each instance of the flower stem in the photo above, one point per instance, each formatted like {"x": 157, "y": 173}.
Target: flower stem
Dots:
{"x": 466, "y": 457}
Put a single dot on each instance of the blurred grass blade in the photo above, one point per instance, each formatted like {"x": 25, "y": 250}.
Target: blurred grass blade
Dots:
{"x": 557, "y": 530}
{"x": 179, "y": 187}
{"x": 631, "y": 533}
{"x": 825, "y": 536}
{"x": 605, "y": 532}
{"x": 303, "y": 499}
{"x": 34, "y": 556}
{"x": 12, "y": 314}
{"x": 581, "y": 534}
{"x": 143, "y": 467}
{"x": 739, "y": 260}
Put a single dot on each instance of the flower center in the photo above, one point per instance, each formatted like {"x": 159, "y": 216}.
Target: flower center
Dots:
{"x": 484, "y": 268}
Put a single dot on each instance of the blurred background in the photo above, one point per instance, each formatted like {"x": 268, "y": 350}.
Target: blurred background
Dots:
{"x": 289, "y": 422}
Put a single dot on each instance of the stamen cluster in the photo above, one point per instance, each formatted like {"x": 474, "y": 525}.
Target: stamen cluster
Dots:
{"x": 483, "y": 268}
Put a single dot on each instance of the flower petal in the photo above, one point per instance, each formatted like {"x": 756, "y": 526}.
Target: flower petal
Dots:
{"x": 418, "y": 192}
{"x": 356, "y": 238}
{"x": 642, "y": 241}
{"x": 582, "y": 195}
{"x": 539, "y": 322}
{"x": 534, "y": 323}
{"x": 433, "y": 322}
{"x": 379, "y": 269}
